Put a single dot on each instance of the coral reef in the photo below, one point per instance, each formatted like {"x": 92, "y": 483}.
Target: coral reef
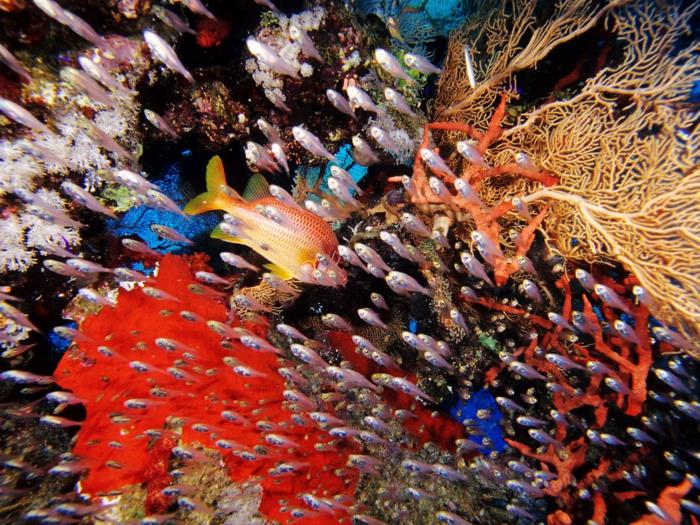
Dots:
{"x": 284, "y": 280}
{"x": 619, "y": 142}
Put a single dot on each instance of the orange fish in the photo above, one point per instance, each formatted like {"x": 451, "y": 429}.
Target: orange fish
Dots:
{"x": 290, "y": 238}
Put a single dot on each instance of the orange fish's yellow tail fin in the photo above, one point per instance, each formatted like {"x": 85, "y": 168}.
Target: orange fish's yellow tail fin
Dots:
{"x": 218, "y": 194}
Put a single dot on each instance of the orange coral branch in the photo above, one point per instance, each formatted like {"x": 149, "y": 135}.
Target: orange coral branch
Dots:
{"x": 544, "y": 177}
{"x": 670, "y": 502}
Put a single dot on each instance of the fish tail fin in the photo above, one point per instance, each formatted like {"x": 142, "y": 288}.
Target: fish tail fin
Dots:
{"x": 218, "y": 193}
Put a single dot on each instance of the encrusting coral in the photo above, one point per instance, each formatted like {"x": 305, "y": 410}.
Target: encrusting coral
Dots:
{"x": 621, "y": 144}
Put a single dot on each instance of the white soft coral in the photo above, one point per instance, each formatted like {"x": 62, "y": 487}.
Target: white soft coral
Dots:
{"x": 14, "y": 254}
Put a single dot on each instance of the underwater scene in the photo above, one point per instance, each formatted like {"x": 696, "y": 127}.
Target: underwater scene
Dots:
{"x": 360, "y": 262}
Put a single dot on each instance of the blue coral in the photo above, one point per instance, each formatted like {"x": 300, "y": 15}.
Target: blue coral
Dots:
{"x": 490, "y": 426}
{"x": 345, "y": 161}
{"x": 138, "y": 220}
{"x": 419, "y": 21}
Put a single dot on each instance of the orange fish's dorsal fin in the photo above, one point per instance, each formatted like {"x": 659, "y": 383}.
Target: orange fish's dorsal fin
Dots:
{"x": 218, "y": 193}
{"x": 257, "y": 188}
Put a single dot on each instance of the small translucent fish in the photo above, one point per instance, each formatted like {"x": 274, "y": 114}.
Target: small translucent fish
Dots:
{"x": 364, "y": 519}
{"x": 370, "y": 317}
{"x": 277, "y": 100}
{"x": 470, "y": 67}
{"x": 409, "y": 388}
{"x": 291, "y": 374}
{"x": 523, "y": 160}
{"x": 344, "y": 177}
{"x": 298, "y": 35}
{"x": 163, "y": 52}
{"x": 458, "y": 319}
{"x": 22, "y": 377}
{"x": 101, "y": 138}
{"x": 340, "y": 103}
{"x": 435, "y": 359}
{"x": 488, "y": 249}
{"x": 525, "y": 264}
{"x": 197, "y": 7}
{"x": 160, "y": 201}
{"x": 341, "y": 191}
{"x": 563, "y": 362}
{"x": 171, "y": 19}
{"x": 271, "y": 133}
{"x": 369, "y": 256}
{"x": 350, "y": 257}
{"x": 133, "y": 181}
{"x": 258, "y": 156}
{"x": 160, "y": 123}
{"x": 435, "y": 162}
{"x": 671, "y": 337}
{"x": 45, "y": 154}
{"x": 85, "y": 198}
{"x": 585, "y": 278}
{"x": 157, "y": 293}
{"x": 530, "y": 289}
{"x": 509, "y": 404}
{"x": 210, "y": 278}
{"x": 525, "y": 370}
{"x": 415, "y": 225}
{"x": 86, "y": 266}
{"x": 378, "y": 301}
{"x": 97, "y": 72}
{"x": 61, "y": 268}
{"x": 16, "y": 351}
{"x": 259, "y": 344}
{"x": 643, "y": 297}
{"x": 311, "y": 143}
{"x": 362, "y": 153}
{"x": 398, "y": 102}
{"x": 7, "y": 58}
{"x": 247, "y": 302}
{"x": 359, "y": 98}
{"x": 609, "y": 297}
{"x": 420, "y": 64}
{"x": 336, "y": 321}
{"x": 391, "y": 65}
{"x": 403, "y": 284}
{"x": 237, "y": 261}
{"x": 617, "y": 385}
{"x": 280, "y": 157}
{"x": 140, "y": 247}
{"x": 291, "y": 332}
{"x": 673, "y": 381}
{"x": 270, "y": 58}
{"x": 307, "y": 355}
{"x": 84, "y": 83}
{"x": 640, "y": 435}
{"x": 92, "y": 296}
{"x": 474, "y": 267}
{"x": 20, "y": 115}
{"x": 384, "y": 139}
{"x": 59, "y": 421}
{"x": 626, "y": 331}
{"x": 468, "y": 151}
{"x": 169, "y": 233}
{"x": 468, "y": 192}
{"x": 350, "y": 377}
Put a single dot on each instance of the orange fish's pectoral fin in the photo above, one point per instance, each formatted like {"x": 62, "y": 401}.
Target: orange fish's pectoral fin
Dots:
{"x": 218, "y": 233}
{"x": 257, "y": 188}
{"x": 279, "y": 271}
{"x": 218, "y": 194}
